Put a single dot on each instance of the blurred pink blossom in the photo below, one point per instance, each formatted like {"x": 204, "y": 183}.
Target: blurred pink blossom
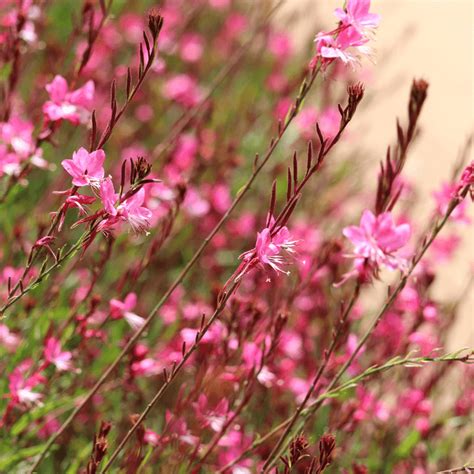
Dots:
{"x": 9, "y": 340}
{"x": 54, "y": 355}
{"x": 123, "y": 309}
{"x": 443, "y": 198}
{"x": 183, "y": 89}
{"x": 74, "y": 106}
{"x": 191, "y": 47}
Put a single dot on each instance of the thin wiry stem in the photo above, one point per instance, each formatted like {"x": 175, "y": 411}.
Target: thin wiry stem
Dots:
{"x": 44, "y": 272}
{"x": 468, "y": 468}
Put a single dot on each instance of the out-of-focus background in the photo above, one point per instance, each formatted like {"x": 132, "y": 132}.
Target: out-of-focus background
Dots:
{"x": 434, "y": 40}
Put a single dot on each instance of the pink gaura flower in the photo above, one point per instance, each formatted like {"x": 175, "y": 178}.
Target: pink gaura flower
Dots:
{"x": 392, "y": 331}
{"x": 277, "y": 82}
{"x": 85, "y": 168}
{"x": 235, "y": 24}
{"x": 444, "y": 247}
{"x": 54, "y": 355}
{"x": 108, "y": 196}
{"x": 279, "y": 44}
{"x": 235, "y": 443}
{"x": 80, "y": 201}
{"x": 269, "y": 250}
{"x": 425, "y": 341}
{"x": 130, "y": 210}
{"x": 194, "y": 204}
{"x": 178, "y": 429}
{"x": 378, "y": 239}
{"x": 214, "y": 335}
{"x": 282, "y": 107}
{"x": 17, "y": 145}
{"x": 50, "y": 426}
{"x": 74, "y": 106}
{"x": 220, "y": 197}
{"x": 185, "y": 153}
{"x": 10, "y": 163}
{"x": 18, "y": 134}
{"x": 123, "y": 309}
{"x": 356, "y": 13}
{"x": 306, "y": 121}
{"x": 408, "y": 300}
{"x": 21, "y": 386}
{"x": 215, "y": 417}
{"x": 146, "y": 367}
{"x": 182, "y": 89}
{"x": 414, "y": 402}
{"x": 9, "y": 340}
{"x": 132, "y": 27}
{"x": 347, "y": 45}
{"x": 191, "y": 47}
{"x": 329, "y": 122}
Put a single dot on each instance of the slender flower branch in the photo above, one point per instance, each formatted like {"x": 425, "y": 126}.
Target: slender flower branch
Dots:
{"x": 402, "y": 283}
{"x": 45, "y": 271}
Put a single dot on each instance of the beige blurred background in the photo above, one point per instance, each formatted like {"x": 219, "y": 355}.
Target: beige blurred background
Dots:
{"x": 434, "y": 40}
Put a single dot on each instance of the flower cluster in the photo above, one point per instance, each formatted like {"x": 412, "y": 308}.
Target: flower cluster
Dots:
{"x": 86, "y": 169}
{"x": 348, "y": 42}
